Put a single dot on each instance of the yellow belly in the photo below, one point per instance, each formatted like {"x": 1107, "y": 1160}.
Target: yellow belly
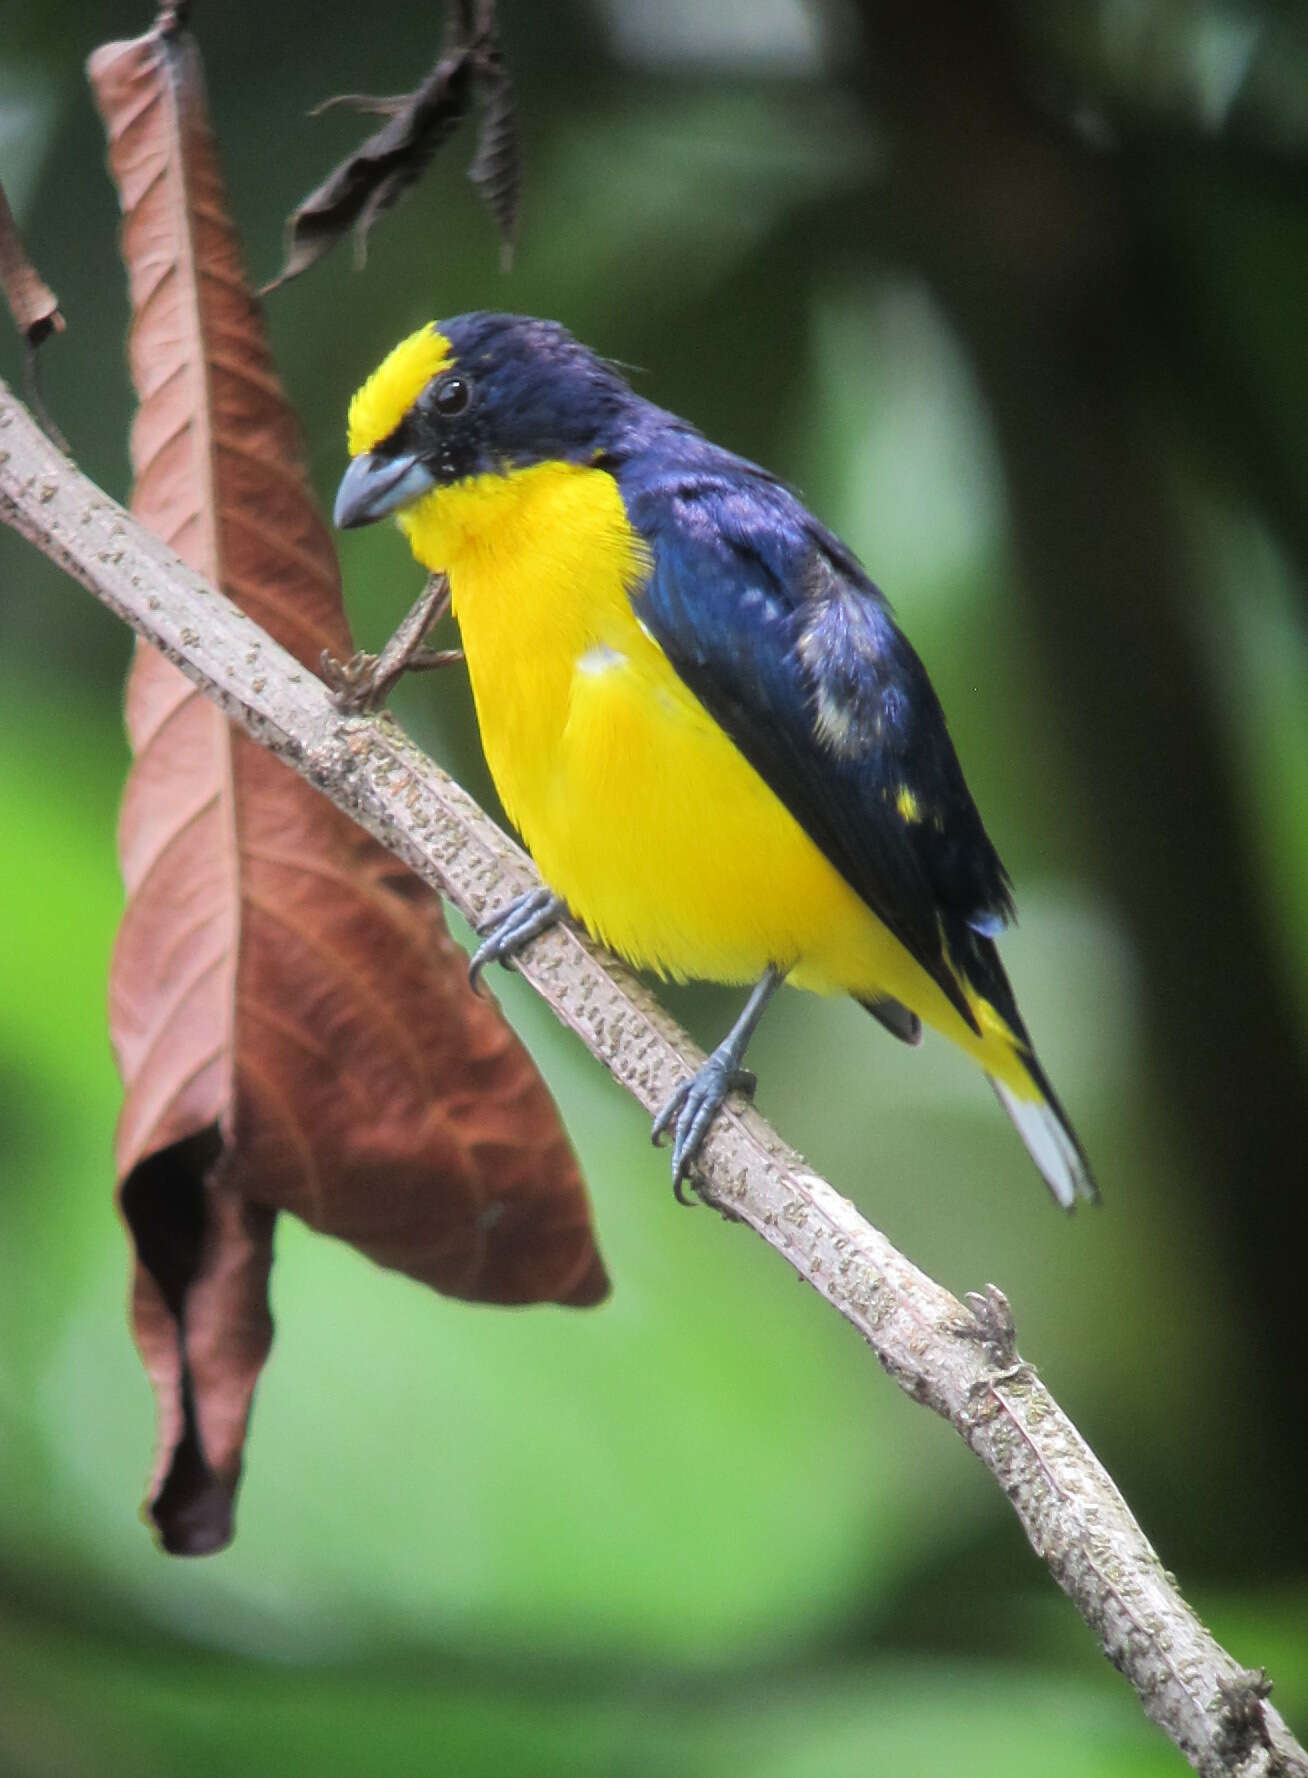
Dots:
{"x": 637, "y": 808}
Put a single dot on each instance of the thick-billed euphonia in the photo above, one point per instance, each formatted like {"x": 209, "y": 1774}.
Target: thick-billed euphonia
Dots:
{"x": 724, "y": 756}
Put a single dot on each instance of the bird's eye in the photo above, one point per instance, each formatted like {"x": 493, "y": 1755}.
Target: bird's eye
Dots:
{"x": 451, "y": 395}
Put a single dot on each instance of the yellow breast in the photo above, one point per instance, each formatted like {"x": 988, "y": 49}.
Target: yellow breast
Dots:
{"x": 636, "y": 806}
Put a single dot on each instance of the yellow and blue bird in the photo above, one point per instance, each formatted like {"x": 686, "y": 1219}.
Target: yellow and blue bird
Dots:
{"x": 724, "y": 756}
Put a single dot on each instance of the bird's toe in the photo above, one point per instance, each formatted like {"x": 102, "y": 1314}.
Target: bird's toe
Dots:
{"x": 691, "y": 1108}
{"x": 511, "y": 929}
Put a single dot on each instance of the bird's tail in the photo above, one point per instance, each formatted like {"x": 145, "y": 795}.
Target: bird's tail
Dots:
{"x": 1021, "y": 1084}
{"x": 1050, "y": 1139}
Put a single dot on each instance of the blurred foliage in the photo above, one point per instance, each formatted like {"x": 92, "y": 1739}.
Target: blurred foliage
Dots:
{"x": 697, "y": 1531}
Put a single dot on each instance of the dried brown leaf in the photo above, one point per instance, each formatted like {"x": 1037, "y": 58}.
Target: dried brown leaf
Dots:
{"x": 496, "y": 170}
{"x": 32, "y": 303}
{"x": 292, "y": 1021}
{"x": 376, "y": 176}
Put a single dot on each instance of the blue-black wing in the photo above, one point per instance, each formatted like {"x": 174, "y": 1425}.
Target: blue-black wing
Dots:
{"x": 789, "y": 646}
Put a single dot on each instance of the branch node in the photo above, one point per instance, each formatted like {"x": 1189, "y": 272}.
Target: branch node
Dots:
{"x": 361, "y": 685}
{"x": 1242, "y": 1722}
{"x": 991, "y": 1327}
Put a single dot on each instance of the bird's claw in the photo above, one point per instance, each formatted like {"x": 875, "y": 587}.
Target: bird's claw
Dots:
{"x": 690, "y": 1110}
{"x": 513, "y": 928}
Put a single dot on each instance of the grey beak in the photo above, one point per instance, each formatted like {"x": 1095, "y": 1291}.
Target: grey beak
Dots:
{"x": 373, "y": 486}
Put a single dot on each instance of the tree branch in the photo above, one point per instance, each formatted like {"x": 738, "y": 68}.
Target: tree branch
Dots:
{"x": 959, "y": 1360}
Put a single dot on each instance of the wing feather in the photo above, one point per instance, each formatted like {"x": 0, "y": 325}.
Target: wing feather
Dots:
{"x": 789, "y": 646}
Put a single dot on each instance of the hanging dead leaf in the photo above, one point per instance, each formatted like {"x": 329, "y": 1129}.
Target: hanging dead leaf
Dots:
{"x": 497, "y": 169}
{"x": 376, "y": 176}
{"x": 33, "y": 305}
{"x": 292, "y": 1021}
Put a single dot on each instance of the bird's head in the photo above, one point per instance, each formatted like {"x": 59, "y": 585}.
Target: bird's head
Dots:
{"x": 482, "y": 394}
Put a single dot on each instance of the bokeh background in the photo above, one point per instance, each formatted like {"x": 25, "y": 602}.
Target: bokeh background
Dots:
{"x": 1016, "y": 295}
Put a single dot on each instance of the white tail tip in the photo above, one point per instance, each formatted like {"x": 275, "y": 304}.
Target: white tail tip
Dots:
{"x": 1051, "y": 1145}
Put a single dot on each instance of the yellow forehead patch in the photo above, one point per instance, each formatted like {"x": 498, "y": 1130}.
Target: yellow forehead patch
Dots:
{"x": 394, "y": 386}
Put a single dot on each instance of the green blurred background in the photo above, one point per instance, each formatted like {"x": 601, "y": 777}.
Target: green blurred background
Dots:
{"x": 1016, "y": 296}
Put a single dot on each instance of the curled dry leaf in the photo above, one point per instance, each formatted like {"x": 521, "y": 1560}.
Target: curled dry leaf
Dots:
{"x": 292, "y": 1021}
{"x": 496, "y": 170}
{"x": 372, "y": 180}
{"x": 32, "y": 303}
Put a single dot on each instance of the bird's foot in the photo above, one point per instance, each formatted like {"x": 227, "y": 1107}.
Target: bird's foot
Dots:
{"x": 697, "y": 1101}
{"x": 691, "y": 1109}
{"x": 514, "y": 927}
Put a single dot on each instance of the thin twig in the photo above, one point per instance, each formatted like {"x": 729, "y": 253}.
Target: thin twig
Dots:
{"x": 960, "y": 1361}
{"x": 365, "y": 681}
